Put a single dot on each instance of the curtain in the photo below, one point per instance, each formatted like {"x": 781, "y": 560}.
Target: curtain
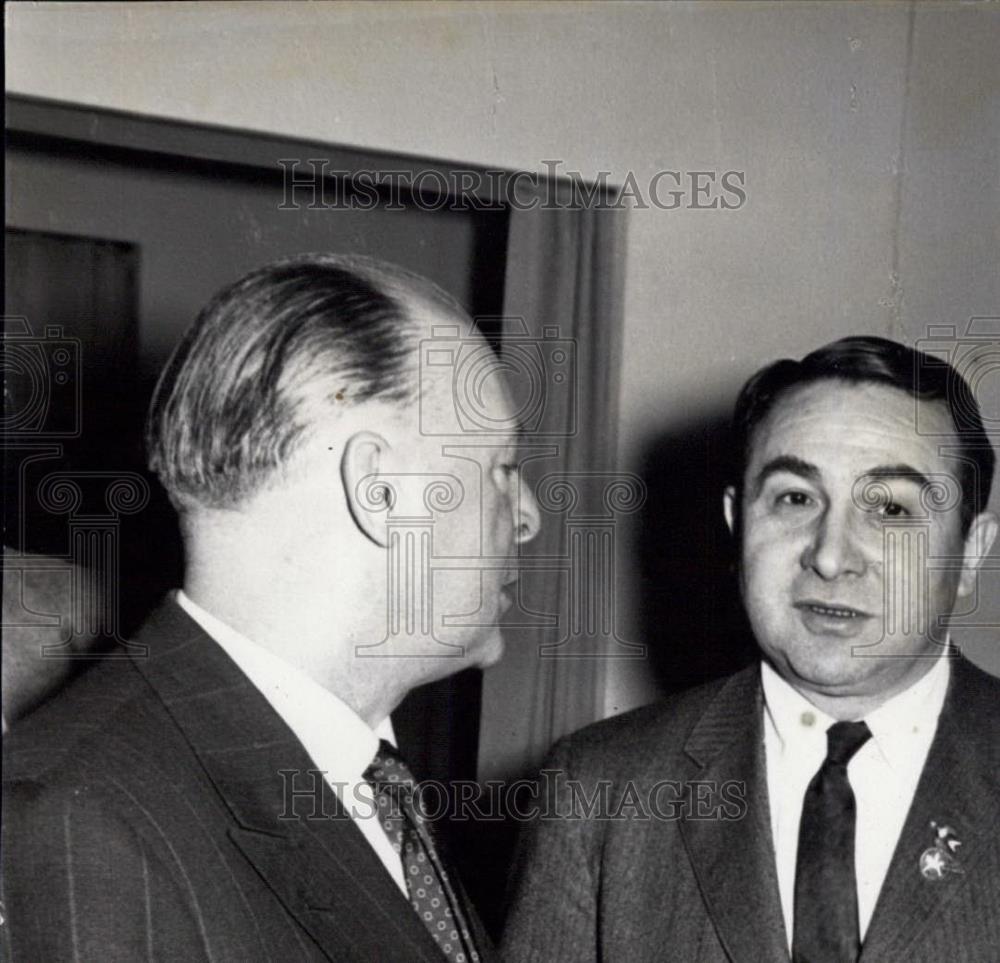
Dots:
{"x": 562, "y": 307}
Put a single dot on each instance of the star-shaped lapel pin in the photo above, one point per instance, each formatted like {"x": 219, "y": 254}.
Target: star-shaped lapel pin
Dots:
{"x": 941, "y": 858}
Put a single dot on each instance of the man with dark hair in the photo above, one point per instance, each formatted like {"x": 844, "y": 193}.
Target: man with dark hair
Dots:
{"x": 838, "y": 801}
{"x": 236, "y": 794}
{"x": 866, "y": 360}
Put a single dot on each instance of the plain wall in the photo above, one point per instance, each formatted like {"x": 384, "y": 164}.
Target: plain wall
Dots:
{"x": 869, "y": 135}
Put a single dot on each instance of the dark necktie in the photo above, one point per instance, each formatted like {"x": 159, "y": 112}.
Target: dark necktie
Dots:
{"x": 427, "y": 879}
{"x": 826, "y": 892}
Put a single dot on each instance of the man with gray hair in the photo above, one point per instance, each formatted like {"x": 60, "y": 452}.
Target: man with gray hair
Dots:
{"x": 208, "y": 801}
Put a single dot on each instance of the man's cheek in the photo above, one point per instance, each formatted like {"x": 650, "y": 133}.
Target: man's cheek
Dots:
{"x": 908, "y": 592}
{"x": 763, "y": 557}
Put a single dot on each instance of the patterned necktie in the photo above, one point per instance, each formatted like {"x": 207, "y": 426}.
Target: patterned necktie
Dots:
{"x": 826, "y": 894}
{"x": 427, "y": 879}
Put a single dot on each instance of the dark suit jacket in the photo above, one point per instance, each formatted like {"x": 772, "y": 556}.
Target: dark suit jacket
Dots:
{"x": 705, "y": 889}
{"x": 141, "y": 823}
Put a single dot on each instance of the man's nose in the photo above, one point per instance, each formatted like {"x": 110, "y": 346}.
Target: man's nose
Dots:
{"x": 834, "y": 548}
{"x": 527, "y": 520}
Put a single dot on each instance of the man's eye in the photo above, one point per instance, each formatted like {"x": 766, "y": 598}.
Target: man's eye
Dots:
{"x": 892, "y": 510}
{"x": 793, "y": 499}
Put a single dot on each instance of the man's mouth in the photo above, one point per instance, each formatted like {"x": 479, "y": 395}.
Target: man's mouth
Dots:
{"x": 830, "y": 610}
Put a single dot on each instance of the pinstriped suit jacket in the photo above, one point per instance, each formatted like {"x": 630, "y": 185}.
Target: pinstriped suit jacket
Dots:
{"x": 704, "y": 890}
{"x": 141, "y": 823}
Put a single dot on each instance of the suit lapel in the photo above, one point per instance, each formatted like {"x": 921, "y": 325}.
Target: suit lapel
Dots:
{"x": 734, "y": 859}
{"x": 317, "y": 862}
{"x": 955, "y": 790}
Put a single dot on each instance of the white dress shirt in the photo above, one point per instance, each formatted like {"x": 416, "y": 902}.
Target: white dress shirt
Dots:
{"x": 340, "y": 744}
{"x": 883, "y": 774}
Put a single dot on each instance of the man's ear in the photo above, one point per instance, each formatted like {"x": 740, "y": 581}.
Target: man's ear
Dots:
{"x": 978, "y": 542}
{"x": 365, "y": 456}
{"x": 729, "y": 508}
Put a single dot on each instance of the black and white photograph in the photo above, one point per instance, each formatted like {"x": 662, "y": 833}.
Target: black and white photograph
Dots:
{"x": 501, "y": 482}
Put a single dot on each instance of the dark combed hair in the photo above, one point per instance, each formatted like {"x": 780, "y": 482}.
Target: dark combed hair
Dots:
{"x": 860, "y": 360}
{"x": 229, "y": 408}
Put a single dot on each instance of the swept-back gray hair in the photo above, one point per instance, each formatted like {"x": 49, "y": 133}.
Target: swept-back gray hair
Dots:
{"x": 229, "y": 408}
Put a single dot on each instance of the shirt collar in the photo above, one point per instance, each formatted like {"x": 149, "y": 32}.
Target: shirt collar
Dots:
{"x": 910, "y": 719}
{"x": 899, "y": 726}
{"x": 795, "y": 720}
{"x": 337, "y": 739}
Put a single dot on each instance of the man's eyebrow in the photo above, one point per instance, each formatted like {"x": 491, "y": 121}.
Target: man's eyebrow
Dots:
{"x": 901, "y": 471}
{"x": 788, "y": 463}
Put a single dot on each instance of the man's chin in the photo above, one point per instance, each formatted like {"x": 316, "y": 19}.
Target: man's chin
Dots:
{"x": 490, "y": 651}
{"x": 841, "y": 674}
{"x": 479, "y": 652}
